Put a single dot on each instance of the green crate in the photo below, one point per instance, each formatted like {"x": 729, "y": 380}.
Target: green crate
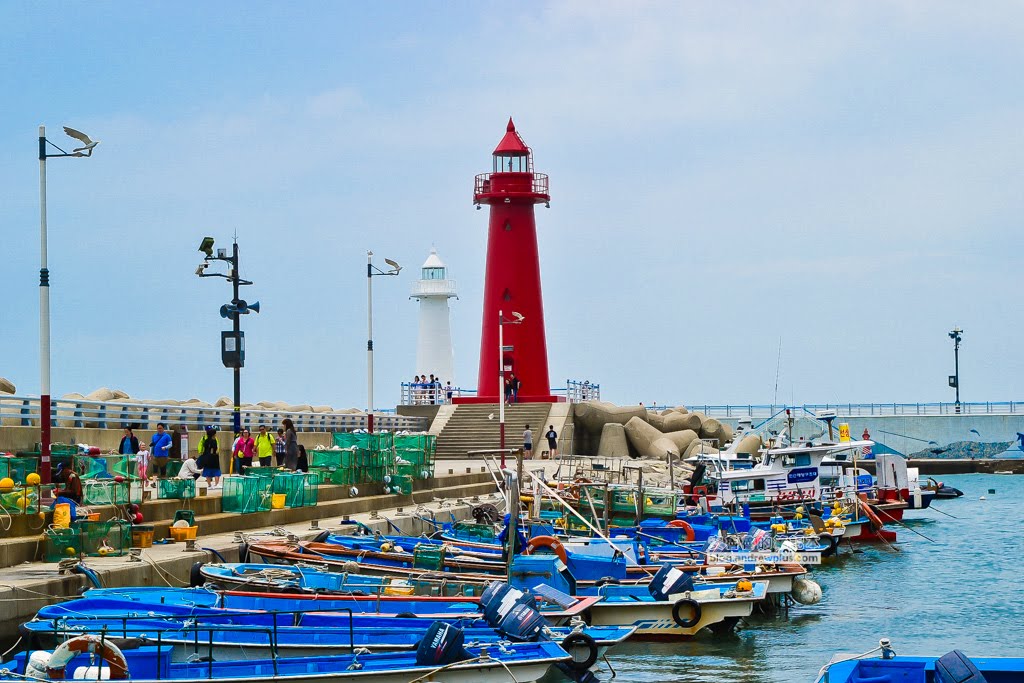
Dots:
{"x": 479, "y": 533}
{"x": 18, "y": 468}
{"x": 428, "y": 556}
{"x": 110, "y": 492}
{"x": 245, "y": 494}
{"x": 177, "y": 489}
{"x": 114, "y": 534}
{"x": 343, "y": 477}
{"x": 59, "y": 542}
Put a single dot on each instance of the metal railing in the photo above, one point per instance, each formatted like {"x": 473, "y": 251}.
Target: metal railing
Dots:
{"x": 767, "y": 410}
{"x": 538, "y": 184}
{"x": 427, "y": 394}
{"x": 576, "y": 391}
{"x": 83, "y": 413}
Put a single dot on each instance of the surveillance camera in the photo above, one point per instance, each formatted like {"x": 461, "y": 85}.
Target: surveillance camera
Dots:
{"x": 202, "y": 266}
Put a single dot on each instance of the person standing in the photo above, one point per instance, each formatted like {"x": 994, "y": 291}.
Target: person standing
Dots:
{"x": 244, "y": 449}
{"x": 142, "y": 463}
{"x": 552, "y": 437}
{"x": 508, "y": 390}
{"x": 279, "y": 448}
{"x": 515, "y": 388}
{"x": 160, "y": 448}
{"x": 209, "y": 458}
{"x": 291, "y": 444}
{"x": 527, "y": 443}
{"x": 129, "y": 443}
{"x": 264, "y": 443}
{"x": 449, "y": 390}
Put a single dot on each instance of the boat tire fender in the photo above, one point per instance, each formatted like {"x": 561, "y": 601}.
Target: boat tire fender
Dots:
{"x": 606, "y": 581}
{"x": 405, "y": 615}
{"x": 195, "y": 575}
{"x": 243, "y": 553}
{"x": 690, "y": 604}
{"x": 578, "y": 640}
{"x": 322, "y": 537}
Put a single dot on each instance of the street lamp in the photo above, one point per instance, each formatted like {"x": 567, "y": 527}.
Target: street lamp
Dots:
{"x": 372, "y": 270}
{"x": 517, "y": 319}
{"x": 954, "y": 380}
{"x": 44, "y": 291}
{"x": 232, "y": 344}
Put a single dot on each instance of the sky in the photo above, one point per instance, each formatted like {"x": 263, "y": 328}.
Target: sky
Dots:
{"x": 751, "y": 202}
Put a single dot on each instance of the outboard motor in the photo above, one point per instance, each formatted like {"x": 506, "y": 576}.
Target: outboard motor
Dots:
{"x": 442, "y": 644}
{"x": 499, "y": 602}
{"x": 522, "y": 623}
{"x": 669, "y": 581}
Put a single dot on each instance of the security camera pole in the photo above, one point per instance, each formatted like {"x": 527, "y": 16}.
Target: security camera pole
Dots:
{"x": 954, "y": 380}
{"x": 45, "y": 404}
{"x": 232, "y": 343}
{"x": 372, "y": 270}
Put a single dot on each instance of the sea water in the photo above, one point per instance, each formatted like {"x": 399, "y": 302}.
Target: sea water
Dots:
{"x": 962, "y": 589}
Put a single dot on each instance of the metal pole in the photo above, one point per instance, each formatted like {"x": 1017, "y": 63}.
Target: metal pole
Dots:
{"x": 44, "y": 322}
{"x": 237, "y": 330}
{"x": 369, "y": 341}
{"x": 956, "y": 369}
{"x": 501, "y": 388}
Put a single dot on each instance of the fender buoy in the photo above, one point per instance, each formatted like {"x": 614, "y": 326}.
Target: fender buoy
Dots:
{"x": 577, "y": 641}
{"x": 876, "y": 523}
{"x": 243, "y": 553}
{"x": 605, "y": 581}
{"x": 681, "y": 524}
{"x": 694, "y": 606}
{"x": 322, "y": 537}
{"x": 405, "y": 615}
{"x": 549, "y": 542}
{"x": 66, "y": 651}
{"x": 195, "y": 575}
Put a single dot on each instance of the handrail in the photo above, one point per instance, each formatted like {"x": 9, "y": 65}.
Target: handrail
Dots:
{"x": 78, "y": 413}
{"x": 767, "y": 410}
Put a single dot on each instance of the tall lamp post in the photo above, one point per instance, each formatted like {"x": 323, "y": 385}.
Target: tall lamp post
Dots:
{"x": 517, "y": 319}
{"x": 45, "y": 404}
{"x": 954, "y": 380}
{"x": 372, "y": 270}
{"x": 232, "y": 344}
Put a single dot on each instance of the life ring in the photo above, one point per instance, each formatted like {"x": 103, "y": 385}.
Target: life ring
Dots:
{"x": 697, "y": 493}
{"x": 576, "y": 640}
{"x": 684, "y": 525}
{"x": 691, "y": 604}
{"x": 66, "y": 651}
{"x": 549, "y": 542}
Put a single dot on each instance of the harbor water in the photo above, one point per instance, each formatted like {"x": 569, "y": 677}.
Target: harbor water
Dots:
{"x": 963, "y": 589}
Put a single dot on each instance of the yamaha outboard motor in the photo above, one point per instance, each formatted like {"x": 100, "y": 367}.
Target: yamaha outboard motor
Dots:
{"x": 669, "y": 581}
{"x": 497, "y": 603}
{"x": 522, "y": 623}
{"x": 442, "y": 644}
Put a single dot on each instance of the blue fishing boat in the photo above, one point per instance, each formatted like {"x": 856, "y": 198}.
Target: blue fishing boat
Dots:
{"x": 952, "y": 667}
{"x": 443, "y": 655}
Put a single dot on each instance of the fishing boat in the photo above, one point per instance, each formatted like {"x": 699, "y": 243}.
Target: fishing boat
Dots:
{"x": 952, "y": 667}
{"x": 444, "y": 657}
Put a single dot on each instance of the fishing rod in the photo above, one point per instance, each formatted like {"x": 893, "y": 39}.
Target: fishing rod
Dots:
{"x": 891, "y": 518}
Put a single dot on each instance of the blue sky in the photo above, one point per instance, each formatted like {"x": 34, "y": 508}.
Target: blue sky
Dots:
{"x": 843, "y": 177}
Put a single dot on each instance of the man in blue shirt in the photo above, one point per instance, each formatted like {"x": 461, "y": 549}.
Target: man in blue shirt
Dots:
{"x": 160, "y": 447}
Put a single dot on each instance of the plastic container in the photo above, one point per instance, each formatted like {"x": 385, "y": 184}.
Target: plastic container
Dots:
{"x": 187, "y": 515}
{"x": 180, "y": 534}
{"x": 142, "y": 536}
{"x": 277, "y": 501}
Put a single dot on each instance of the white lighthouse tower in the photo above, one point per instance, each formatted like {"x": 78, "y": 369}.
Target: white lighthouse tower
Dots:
{"x": 434, "y": 353}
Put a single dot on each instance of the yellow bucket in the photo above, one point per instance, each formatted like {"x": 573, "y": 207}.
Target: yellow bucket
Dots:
{"x": 277, "y": 501}
{"x": 844, "y": 432}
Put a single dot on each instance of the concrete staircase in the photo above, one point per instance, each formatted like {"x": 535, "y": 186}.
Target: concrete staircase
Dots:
{"x": 471, "y": 428}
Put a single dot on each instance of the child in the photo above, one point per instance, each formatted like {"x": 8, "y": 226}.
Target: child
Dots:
{"x": 142, "y": 461}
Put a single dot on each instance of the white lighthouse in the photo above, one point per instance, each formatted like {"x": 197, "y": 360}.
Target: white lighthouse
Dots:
{"x": 434, "y": 353}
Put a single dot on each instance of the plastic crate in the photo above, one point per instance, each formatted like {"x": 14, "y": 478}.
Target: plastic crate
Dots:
{"x": 177, "y": 489}
{"x": 114, "y": 535}
{"x": 428, "y": 556}
{"x": 18, "y": 468}
{"x": 245, "y": 494}
{"x": 61, "y": 544}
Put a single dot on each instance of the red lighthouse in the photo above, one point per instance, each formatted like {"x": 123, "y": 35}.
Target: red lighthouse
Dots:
{"x": 512, "y": 291}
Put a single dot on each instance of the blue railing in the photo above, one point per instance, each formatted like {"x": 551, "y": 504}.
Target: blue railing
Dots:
{"x": 767, "y": 410}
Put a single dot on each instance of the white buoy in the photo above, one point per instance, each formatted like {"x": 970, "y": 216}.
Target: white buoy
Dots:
{"x": 982, "y": 498}
{"x": 805, "y": 591}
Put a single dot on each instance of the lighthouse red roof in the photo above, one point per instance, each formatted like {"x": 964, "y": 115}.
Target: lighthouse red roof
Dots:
{"x": 511, "y": 144}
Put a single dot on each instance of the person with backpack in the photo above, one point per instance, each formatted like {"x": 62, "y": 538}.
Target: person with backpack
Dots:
{"x": 209, "y": 458}
{"x": 244, "y": 449}
{"x": 552, "y": 437}
{"x": 264, "y": 443}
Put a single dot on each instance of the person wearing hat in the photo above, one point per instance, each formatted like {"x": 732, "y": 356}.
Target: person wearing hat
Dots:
{"x": 209, "y": 457}
{"x": 71, "y": 484}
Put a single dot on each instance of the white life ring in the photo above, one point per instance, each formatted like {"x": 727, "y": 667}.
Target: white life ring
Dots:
{"x": 66, "y": 651}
